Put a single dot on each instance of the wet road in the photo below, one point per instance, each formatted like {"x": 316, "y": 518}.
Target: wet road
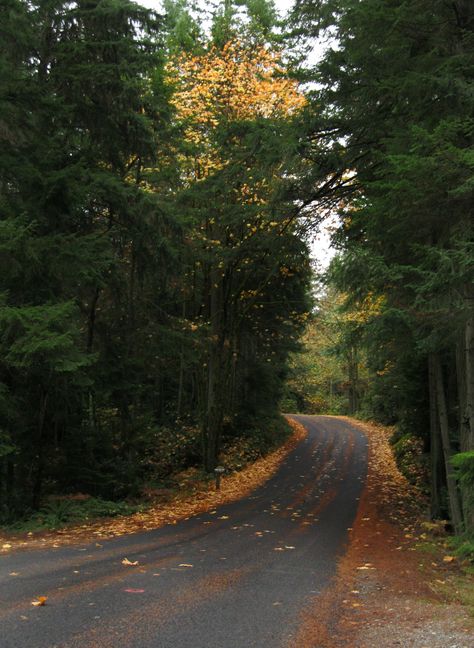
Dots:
{"x": 234, "y": 578}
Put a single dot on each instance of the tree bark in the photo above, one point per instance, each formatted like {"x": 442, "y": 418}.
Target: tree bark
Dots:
{"x": 454, "y": 504}
{"x": 38, "y": 479}
{"x": 179, "y": 405}
{"x": 467, "y": 437}
{"x": 467, "y": 441}
{"x": 353, "y": 371}
{"x": 216, "y": 375}
{"x": 435, "y": 446}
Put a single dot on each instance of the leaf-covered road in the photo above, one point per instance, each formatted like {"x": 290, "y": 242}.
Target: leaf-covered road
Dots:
{"x": 237, "y": 577}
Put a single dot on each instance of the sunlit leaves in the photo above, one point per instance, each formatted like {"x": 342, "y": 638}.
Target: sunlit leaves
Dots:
{"x": 227, "y": 85}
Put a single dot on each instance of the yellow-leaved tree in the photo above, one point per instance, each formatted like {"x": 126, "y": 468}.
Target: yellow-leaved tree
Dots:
{"x": 234, "y": 105}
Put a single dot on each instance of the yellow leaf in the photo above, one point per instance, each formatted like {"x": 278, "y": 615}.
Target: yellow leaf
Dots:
{"x": 41, "y": 600}
{"x": 128, "y": 562}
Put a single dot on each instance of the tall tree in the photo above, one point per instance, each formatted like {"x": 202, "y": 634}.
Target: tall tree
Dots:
{"x": 234, "y": 103}
{"x": 398, "y": 106}
{"x": 73, "y": 218}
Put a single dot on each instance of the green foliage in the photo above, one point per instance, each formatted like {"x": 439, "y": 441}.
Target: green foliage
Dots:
{"x": 464, "y": 548}
{"x": 246, "y": 443}
{"x": 393, "y": 105}
{"x": 463, "y": 463}
{"x": 172, "y": 450}
{"x": 60, "y": 512}
{"x": 317, "y": 379}
{"x": 106, "y": 265}
{"x": 411, "y": 459}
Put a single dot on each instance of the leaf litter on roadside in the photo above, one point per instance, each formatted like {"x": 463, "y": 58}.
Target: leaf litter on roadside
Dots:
{"x": 234, "y": 487}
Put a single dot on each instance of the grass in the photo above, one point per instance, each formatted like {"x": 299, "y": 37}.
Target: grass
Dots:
{"x": 455, "y": 585}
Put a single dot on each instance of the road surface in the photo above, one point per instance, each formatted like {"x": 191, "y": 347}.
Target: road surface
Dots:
{"x": 238, "y": 577}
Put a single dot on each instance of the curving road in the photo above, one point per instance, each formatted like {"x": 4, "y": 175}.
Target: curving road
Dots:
{"x": 235, "y": 578}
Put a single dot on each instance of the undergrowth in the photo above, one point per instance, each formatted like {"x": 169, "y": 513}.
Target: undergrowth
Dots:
{"x": 63, "y": 511}
{"x": 170, "y": 474}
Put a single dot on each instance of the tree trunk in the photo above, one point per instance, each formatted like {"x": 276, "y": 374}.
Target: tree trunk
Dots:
{"x": 38, "y": 479}
{"x": 467, "y": 441}
{"x": 91, "y": 320}
{"x": 467, "y": 416}
{"x": 179, "y": 405}
{"x": 216, "y": 378}
{"x": 435, "y": 446}
{"x": 353, "y": 374}
{"x": 214, "y": 416}
{"x": 454, "y": 505}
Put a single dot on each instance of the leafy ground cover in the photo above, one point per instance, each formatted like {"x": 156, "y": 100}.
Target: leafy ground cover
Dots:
{"x": 192, "y": 494}
{"x": 400, "y": 582}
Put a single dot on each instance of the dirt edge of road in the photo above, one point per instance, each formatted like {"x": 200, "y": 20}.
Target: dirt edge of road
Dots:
{"x": 183, "y": 505}
{"x": 386, "y": 592}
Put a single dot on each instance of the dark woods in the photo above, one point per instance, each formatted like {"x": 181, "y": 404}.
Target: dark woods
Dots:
{"x": 134, "y": 337}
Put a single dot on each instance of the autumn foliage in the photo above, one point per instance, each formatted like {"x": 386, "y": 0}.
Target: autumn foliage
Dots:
{"x": 219, "y": 86}
{"x": 232, "y": 83}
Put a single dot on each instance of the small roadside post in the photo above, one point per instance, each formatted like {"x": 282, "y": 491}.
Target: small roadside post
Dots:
{"x": 218, "y": 472}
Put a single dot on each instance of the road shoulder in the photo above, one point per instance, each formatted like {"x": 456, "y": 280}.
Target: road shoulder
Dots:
{"x": 387, "y": 592}
{"x": 183, "y": 506}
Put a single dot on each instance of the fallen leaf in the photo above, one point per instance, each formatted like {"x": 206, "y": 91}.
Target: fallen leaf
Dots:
{"x": 449, "y": 559}
{"x": 185, "y": 565}
{"x": 127, "y": 562}
{"x": 41, "y": 600}
{"x": 132, "y": 590}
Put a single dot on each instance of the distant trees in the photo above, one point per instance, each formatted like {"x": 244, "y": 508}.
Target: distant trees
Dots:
{"x": 397, "y": 105}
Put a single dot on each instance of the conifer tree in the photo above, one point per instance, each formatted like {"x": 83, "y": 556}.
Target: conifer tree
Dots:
{"x": 396, "y": 95}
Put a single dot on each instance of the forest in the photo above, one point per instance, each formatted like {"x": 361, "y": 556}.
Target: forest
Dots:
{"x": 162, "y": 174}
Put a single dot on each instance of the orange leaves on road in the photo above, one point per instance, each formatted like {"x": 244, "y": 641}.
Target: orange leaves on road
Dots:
{"x": 40, "y": 601}
{"x": 129, "y": 563}
{"x": 181, "y": 506}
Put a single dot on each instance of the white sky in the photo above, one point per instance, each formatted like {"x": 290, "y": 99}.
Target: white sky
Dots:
{"x": 320, "y": 246}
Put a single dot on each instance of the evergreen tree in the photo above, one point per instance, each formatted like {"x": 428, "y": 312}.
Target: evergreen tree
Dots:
{"x": 74, "y": 219}
{"x": 395, "y": 91}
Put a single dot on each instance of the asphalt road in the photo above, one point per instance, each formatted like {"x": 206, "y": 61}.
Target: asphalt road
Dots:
{"x": 234, "y": 578}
